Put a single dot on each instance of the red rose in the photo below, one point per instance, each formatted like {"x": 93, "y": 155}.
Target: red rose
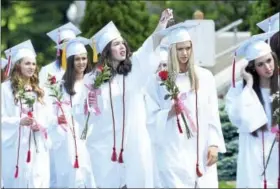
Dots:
{"x": 100, "y": 68}
{"x": 30, "y": 114}
{"x": 163, "y": 75}
{"x": 52, "y": 80}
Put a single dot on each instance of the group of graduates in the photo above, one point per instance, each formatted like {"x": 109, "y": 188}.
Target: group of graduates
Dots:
{"x": 144, "y": 119}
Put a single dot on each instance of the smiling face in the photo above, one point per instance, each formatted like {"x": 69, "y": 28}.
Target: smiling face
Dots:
{"x": 28, "y": 67}
{"x": 80, "y": 63}
{"x": 184, "y": 50}
{"x": 118, "y": 49}
{"x": 264, "y": 66}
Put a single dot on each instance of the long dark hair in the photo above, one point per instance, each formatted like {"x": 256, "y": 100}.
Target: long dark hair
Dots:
{"x": 275, "y": 44}
{"x": 124, "y": 66}
{"x": 69, "y": 76}
{"x": 274, "y": 87}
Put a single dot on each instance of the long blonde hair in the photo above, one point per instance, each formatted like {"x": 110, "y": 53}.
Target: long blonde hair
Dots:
{"x": 173, "y": 66}
{"x": 16, "y": 80}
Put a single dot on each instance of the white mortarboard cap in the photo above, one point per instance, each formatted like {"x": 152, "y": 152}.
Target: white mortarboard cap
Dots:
{"x": 270, "y": 24}
{"x": 104, "y": 36}
{"x": 22, "y": 50}
{"x": 255, "y": 47}
{"x": 175, "y": 34}
{"x": 67, "y": 31}
{"x": 163, "y": 53}
{"x": 4, "y": 62}
{"x": 75, "y": 46}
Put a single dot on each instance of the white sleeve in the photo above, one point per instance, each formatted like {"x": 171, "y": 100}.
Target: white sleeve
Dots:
{"x": 10, "y": 118}
{"x": 244, "y": 109}
{"x": 215, "y": 129}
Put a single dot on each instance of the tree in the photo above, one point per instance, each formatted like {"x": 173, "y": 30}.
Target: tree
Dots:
{"x": 261, "y": 10}
{"x": 23, "y": 20}
{"x": 131, "y": 18}
{"x": 227, "y": 163}
{"x": 222, "y": 12}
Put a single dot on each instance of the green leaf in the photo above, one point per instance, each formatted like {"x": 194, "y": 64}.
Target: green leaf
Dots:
{"x": 167, "y": 96}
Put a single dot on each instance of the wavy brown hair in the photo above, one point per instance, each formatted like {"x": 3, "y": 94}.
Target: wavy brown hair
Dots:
{"x": 274, "y": 87}
{"x": 16, "y": 80}
{"x": 124, "y": 66}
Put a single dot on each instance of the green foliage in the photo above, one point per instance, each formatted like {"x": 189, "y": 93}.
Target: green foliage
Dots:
{"x": 222, "y": 12}
{"x": 224, "y": 184}
{"x": 261, "y": 10}
{"x": 23, "y": 20}
{"x": 130, "y": 17}
{"x": 227, "y": 163}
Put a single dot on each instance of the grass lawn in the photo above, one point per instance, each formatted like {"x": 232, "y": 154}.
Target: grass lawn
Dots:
{"x": 227, "y": 184}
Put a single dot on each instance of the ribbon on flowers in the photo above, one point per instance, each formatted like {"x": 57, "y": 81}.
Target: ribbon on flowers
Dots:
{"x": 94, "y": 102}
{"x": 59, "y": 105}
{"x": 186, "y": 111}
{"x": 275, "y": 130}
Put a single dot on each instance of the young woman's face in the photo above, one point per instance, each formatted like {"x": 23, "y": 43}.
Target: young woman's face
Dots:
{"x": 184, "y": 50}
{"x": 28, "y": 67}
{"x": 80, "y": 63}
{"x": 118, "y": 49}
{"x": 264, "y": 66}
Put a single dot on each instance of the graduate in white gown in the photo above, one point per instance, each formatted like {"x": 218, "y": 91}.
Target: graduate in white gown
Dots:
{"x": 117, "y": 138}
{"x": 181, "y": 160}
{"x": 71, "y": 159}
{"x": 59, "y": 35}
{"x": 249, "y": 106}
{"x": 25, "y": 149}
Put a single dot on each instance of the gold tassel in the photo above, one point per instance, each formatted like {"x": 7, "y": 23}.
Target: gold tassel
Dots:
{"x": 95, "y": 58}
{"x": 63, "y": 59}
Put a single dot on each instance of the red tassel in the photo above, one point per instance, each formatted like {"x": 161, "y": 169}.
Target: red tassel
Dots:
{"x": 179, "y": 125}
{"x": 265, "y": 184}
{"x": 121, "y": 156}
{"x": 28, "y": 156}
{"x": 233, "y": 72}
{"x": 198, "y": 173}
{"x": 8, "y": 68}
{"x": 16, "y": 173}
{"x": 76, "y": 164}
{"x": 114, "y": 155}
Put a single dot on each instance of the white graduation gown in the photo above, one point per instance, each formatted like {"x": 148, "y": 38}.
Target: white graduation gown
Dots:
{"x": 247, "y": 114}
{"x": 136, "y": 171}
{"x": 176, "y": 155}
{"x": 34, "y": 174}
{"x": 63, "y": 146}
{"x": 52, "y": 69}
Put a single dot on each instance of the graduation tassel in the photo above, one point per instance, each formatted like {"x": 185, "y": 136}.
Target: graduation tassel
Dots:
{"x": 198, "y": 172}
{"x": 28, "y": 159}
{"x": 76, "y": 164}
{"x": 16, "y": 173}
{"x": 28, "y": 156}
{"x": 123, "y": 129}
{"x": 7, "y": 71}
{"x": 95, "y": 58}
{"x": 114, "y": 155}
{"x": 121, "y": 156}
{"x": 233, "y": 70}
{"x": 63, "y": 59}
